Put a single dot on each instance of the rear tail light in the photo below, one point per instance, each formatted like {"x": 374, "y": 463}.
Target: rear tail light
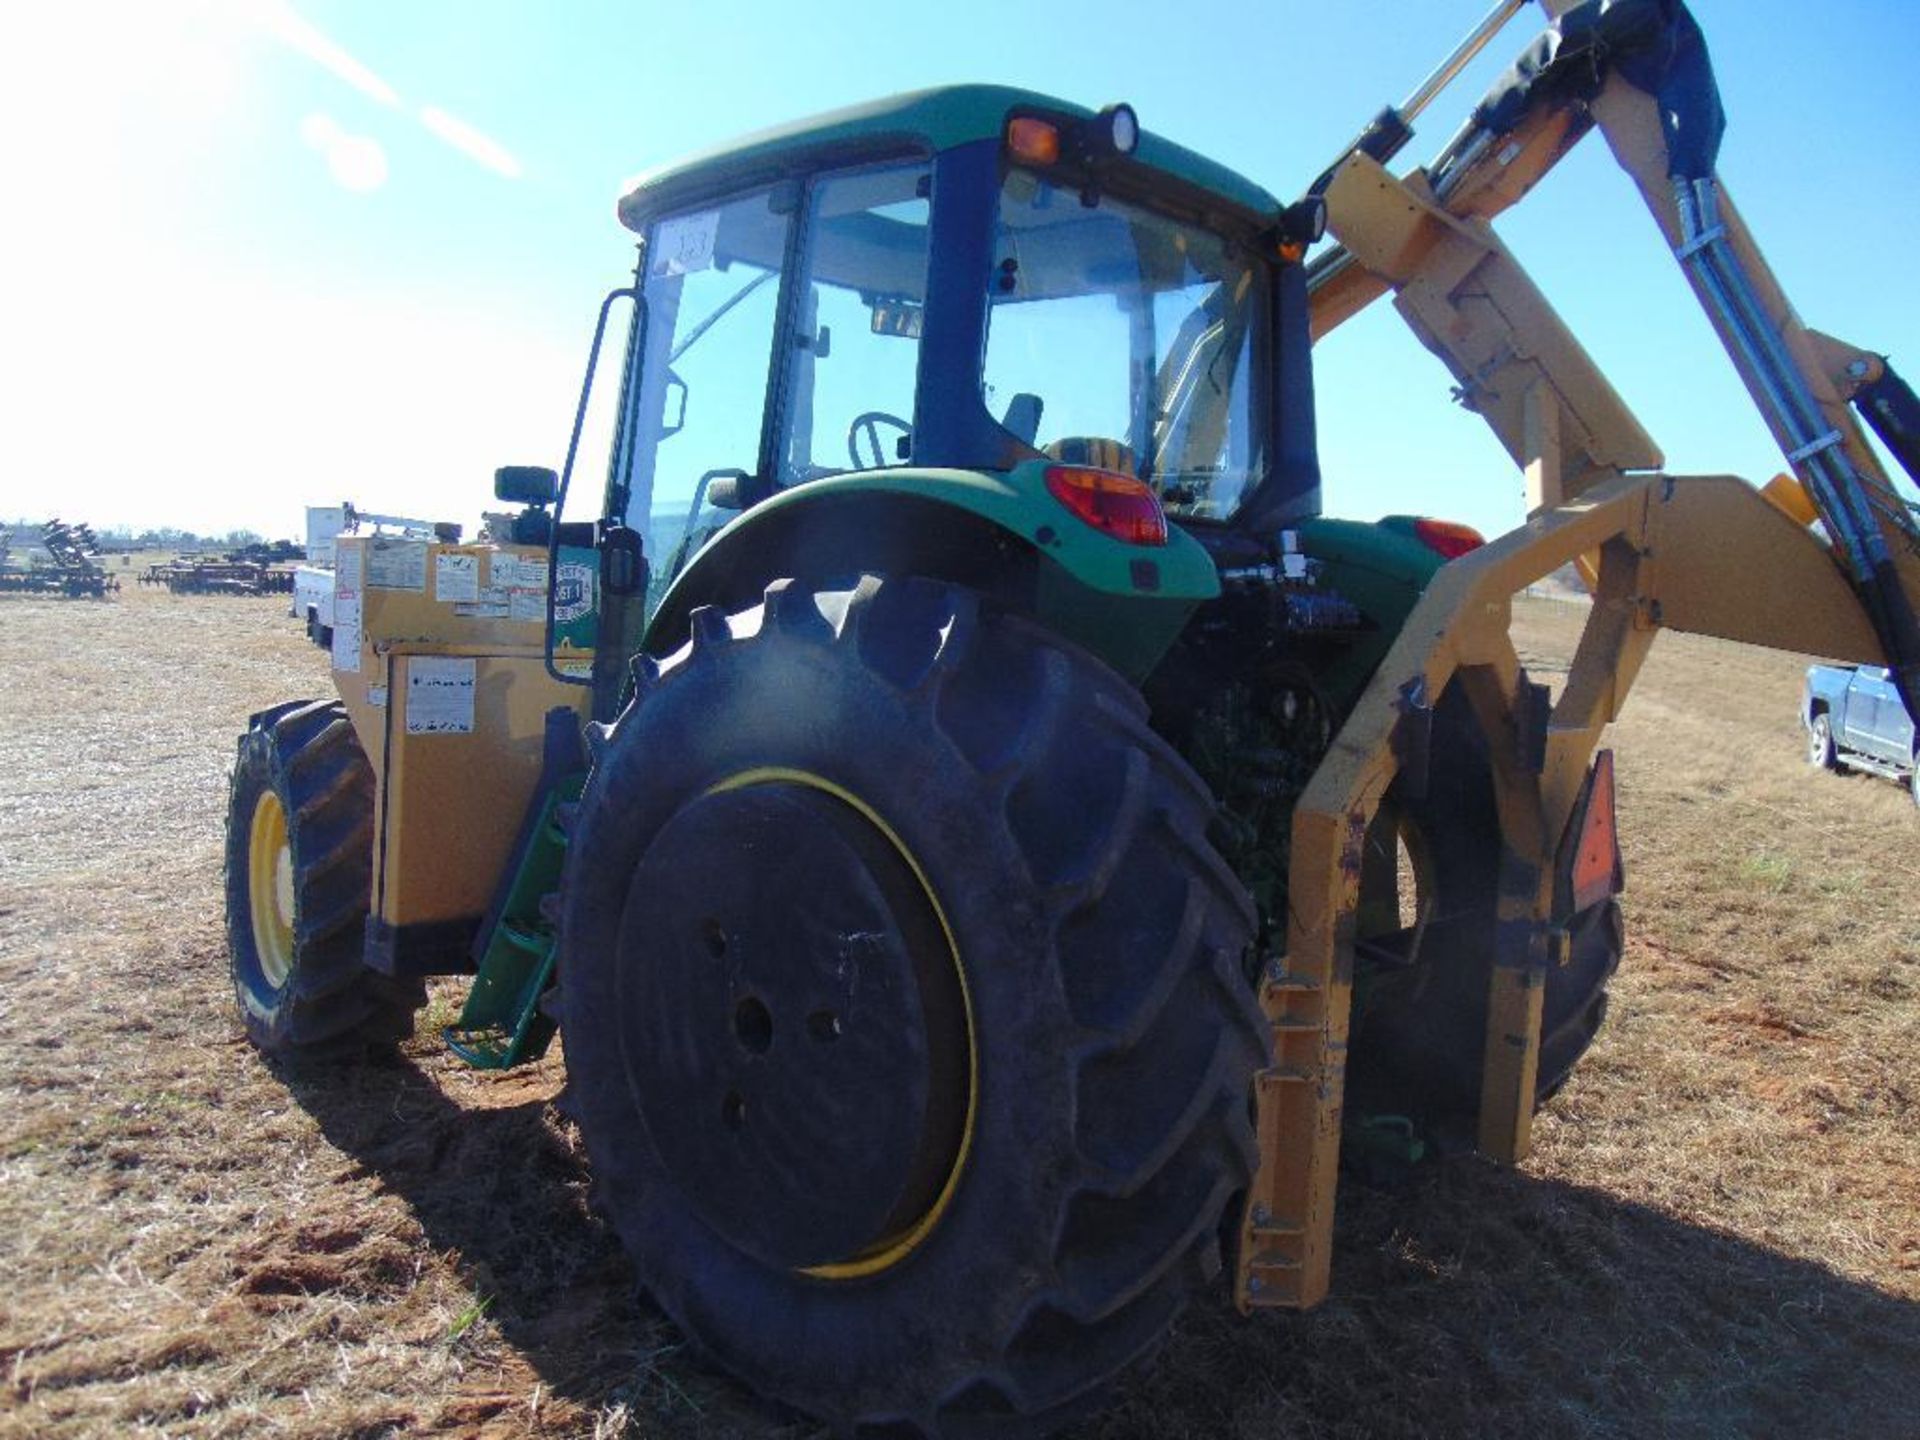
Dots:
{"x": 1114, "y": 504}
{"x": 1447, "y": 539}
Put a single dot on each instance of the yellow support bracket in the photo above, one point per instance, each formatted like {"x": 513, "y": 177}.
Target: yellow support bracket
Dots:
{"x": 1706, "y": 554}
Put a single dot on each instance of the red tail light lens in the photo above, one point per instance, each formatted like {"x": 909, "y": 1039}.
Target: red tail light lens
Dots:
{"x": 1447, "y": 539}
{"x": 1114, "y": 504}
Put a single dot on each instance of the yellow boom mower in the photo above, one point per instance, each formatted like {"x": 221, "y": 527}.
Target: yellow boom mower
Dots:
{"x": 1706, "y": 554}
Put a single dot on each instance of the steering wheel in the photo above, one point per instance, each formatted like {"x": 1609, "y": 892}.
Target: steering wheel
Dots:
{"x": 868, "y": 424}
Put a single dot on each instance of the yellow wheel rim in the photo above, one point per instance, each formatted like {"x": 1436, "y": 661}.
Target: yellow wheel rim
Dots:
{"x": 270, "y": 889}
{"x": 894, "y": 1248}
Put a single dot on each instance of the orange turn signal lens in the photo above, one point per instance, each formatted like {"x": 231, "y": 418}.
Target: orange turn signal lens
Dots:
{"x": 1447, "y": 538}
{"x": 1034, "y": 141}
{"x": 1112, "y": 503}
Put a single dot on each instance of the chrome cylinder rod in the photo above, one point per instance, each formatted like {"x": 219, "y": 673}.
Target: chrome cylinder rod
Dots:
{"x": 1463, "y": 55}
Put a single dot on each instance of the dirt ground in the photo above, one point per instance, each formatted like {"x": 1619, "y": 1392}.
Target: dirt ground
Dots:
{"x": 1718, "y": 1234}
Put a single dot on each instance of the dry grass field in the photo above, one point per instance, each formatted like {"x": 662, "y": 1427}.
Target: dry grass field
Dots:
{"x": 1718, "y": 1235}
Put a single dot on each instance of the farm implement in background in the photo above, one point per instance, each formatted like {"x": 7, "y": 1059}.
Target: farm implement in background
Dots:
{"x": 988, "y": 839}
{"x": 231, "y": 575}
{"x": 62, "y": 560}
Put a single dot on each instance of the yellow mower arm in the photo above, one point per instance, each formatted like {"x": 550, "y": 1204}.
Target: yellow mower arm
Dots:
{"x": 1706, "y": 554}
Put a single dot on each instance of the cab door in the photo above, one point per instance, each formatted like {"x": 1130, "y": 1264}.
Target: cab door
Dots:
{"x": 697, "y": 442}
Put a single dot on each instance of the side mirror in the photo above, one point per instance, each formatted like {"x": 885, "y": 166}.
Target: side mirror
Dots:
{"x": 525, "y": 485}
{"x": 723, "y": 492}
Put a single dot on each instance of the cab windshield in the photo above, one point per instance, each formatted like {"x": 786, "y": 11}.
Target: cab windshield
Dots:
{"x": 1122, "y": 338}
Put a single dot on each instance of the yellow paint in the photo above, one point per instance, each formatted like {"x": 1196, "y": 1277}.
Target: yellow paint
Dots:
{"x": 447, "y": 806}
{"x": 270, "y": 888}
{"x": 1787, "y": 495}
{"x": 893, "y": 1249}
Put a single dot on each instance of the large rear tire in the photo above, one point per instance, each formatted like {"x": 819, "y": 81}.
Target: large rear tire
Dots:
{"x": 904, "y": 1012}
{"x": 1418, "y": 1032}
{"x": 298, "y": 878}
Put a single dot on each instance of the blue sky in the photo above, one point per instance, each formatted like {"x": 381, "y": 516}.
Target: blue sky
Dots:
{"x": 281, "y": 252}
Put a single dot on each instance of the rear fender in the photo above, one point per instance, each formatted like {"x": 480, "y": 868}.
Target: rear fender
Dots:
{"x": 1001, "y": 534}
{"x": 1383, "y": 570}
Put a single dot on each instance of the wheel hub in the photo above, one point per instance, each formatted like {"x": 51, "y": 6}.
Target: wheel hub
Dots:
{"x": 793, "y": 1022}
{"x": 270, "y": 888}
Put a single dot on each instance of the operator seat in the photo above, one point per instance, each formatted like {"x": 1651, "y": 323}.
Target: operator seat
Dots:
{"x": 1022, "y": 419}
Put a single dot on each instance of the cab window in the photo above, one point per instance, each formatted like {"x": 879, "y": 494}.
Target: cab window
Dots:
{"x": 855, "y": 351}
{"x": 712, "y": 289}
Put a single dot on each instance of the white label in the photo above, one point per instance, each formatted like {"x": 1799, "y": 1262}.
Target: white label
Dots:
{"x": 489, "y": 604}
{"x": 377, "y": 696}
{"x": 456, "y": 576}
{"x": 439, "y": 695}
{"x": 396, "y": 564}
{"x": 527, "y": 607}
{"x": 346, "y": 630}
{"x": 512, "y": 572}
{"x": 685, "y": 245}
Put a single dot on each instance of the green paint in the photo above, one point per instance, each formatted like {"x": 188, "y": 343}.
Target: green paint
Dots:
{"x": 501, "y": 1024}
{"x": 1126, "y": 603}
{"x": 933, "y": 120}
{"x": 1383, "y": 570}
{"x": 576, "y": 604}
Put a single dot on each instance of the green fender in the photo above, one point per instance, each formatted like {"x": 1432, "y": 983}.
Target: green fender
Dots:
{"x": 1382, "y": 568}
{"x": 1002, "y": 532}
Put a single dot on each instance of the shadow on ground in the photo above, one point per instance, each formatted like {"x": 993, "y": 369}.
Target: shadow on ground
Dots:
{"x": 1470, "y": 1301}
{"x": 501, "y": 1189}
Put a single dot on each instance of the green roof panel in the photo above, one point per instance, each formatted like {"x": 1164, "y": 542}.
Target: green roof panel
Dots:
{"x": 938, "y": 119}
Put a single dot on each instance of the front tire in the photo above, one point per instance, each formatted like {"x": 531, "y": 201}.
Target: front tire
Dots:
{"x": 1821, "y": 752}
{"x": 298, "y": 877}
{"x": 904, "y": 1011}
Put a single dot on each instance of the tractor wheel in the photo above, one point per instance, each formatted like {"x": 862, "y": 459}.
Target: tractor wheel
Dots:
{"x": 299, "y": 861}
{"x": 1418, "y": 1029}
{"x": 904, "y": 1012}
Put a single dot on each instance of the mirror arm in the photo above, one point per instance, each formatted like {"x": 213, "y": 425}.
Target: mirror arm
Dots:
{"x": 626, "y": 292}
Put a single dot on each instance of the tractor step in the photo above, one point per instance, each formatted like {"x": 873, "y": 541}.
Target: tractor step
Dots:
{"x": 488, "y": 1049}
{"x": 503, "y": 1023}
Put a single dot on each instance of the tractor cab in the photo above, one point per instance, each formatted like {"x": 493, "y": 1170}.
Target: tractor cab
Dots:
{"x": 976, "y": 280}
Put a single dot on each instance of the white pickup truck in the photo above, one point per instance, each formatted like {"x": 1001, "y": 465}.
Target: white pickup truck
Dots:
{"x": 313, "y": 580}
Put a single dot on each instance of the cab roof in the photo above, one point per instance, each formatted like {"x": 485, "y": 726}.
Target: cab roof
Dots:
{"x": 936, "y": 120}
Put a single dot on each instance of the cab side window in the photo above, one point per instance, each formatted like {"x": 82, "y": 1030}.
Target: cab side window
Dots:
{"x": 856, "y": 344}
{"x": 712, "y": 289}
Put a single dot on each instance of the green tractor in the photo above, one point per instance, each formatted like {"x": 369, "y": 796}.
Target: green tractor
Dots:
{"x": 905, "y": 851}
